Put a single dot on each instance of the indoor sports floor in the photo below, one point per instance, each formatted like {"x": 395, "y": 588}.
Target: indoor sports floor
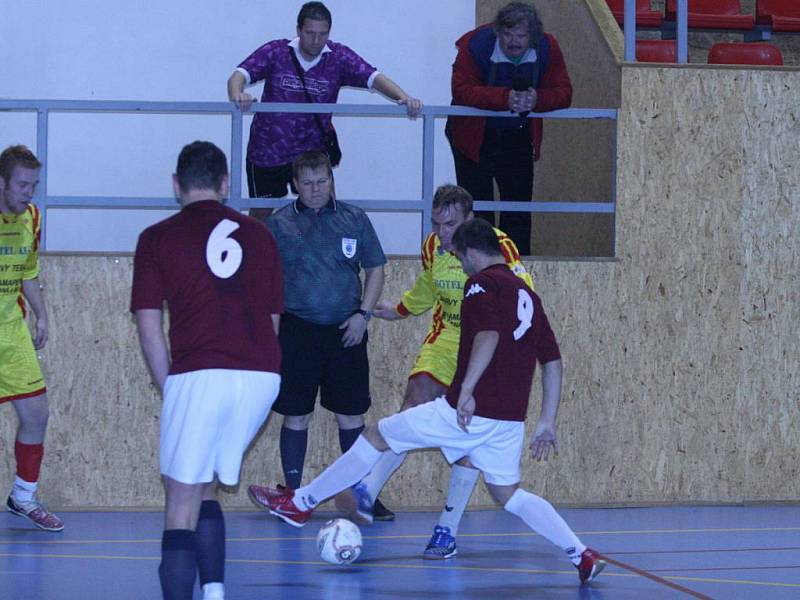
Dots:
{"x": 750, "y": 552}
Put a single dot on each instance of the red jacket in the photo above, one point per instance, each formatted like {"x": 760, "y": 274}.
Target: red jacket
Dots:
{"x": 466, "y": 133}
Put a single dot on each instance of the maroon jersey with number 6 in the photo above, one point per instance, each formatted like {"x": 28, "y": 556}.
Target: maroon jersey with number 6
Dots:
{"x": 497, "y": 300}
{"x": 220, "y": 274}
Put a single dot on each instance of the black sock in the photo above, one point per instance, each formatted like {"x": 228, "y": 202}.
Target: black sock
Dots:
{"x": 210, "y": 534}
{"x": 178, "y": 566}
{"x": 293, "y": 455}
{"x": 348, "y": 437}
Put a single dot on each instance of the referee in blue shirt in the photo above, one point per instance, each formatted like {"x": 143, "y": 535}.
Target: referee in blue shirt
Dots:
{"x": 324, "y": 244}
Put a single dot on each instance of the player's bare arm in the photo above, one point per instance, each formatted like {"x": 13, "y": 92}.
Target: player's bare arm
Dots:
{"x": 544, "y": 435}
{"x": 355, "y": 326}
{"x": 33, "y": 294}
{"x": 387, "y": 311}
{"x": 154, "y": 345}
{"x": 483, "y": 347}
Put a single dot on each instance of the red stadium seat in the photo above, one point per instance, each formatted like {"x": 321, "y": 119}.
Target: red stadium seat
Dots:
{"x": 735, "y": 53}
{"x": 645, "y": 16}
{"x": 657, "y": 51}
{"x": 779, "y": 15}
{"x": 712, "y": 14}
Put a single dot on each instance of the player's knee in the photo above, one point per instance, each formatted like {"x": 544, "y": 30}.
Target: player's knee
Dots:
{"x": 502, "y": 493}
{"x": 414, "y": 396}
{"x": 297, "y": 422}
{"x": 465, "y": 462}
{"x": 374, "y": 437}
{"x": 349, "y": 421}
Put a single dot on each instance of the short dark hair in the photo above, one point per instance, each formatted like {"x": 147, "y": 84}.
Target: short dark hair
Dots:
{"x": 316, "y": 11}
{"x": 515, "y": 13}
{"x": 201, "y": 166}
{"x": 478, "y": 235}
{"x": 312, "y": 160}
{"x": 449, "y": 194}
{"x": 17, "y": 156}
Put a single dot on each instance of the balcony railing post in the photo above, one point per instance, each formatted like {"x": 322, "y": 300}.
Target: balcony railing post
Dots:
{"x": 630, "y": 30}
{"x": 237, "y": 121}
{"x": 42, "y": 119}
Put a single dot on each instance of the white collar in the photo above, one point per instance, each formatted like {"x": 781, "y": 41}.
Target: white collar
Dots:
{"x": 498, "y": 56}
{"x": 306, "y": 64}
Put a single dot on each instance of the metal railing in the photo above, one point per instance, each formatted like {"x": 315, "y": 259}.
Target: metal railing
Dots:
{"x": 682, "y": 19}
{"x": 429, "y": 114}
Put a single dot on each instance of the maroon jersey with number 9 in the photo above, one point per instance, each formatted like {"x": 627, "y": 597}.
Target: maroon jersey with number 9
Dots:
{"x": 497, "y": 300}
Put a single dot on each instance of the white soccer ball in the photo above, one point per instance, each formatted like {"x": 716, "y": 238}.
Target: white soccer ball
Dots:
{"x": 339, "y": 542}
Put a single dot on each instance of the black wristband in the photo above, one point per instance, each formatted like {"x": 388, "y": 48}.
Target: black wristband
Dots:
{"x": 367, "y": 314}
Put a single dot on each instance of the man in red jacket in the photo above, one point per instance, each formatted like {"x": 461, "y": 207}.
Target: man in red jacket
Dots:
{"x": 513, "y": 65}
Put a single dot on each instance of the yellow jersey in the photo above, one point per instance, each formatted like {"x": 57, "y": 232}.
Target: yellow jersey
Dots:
{"x": 19, "y": 259}
{"x": 440, "y": 286}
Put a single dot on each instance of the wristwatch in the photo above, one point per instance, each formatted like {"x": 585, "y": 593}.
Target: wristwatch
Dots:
{"x": 367, "y": 314}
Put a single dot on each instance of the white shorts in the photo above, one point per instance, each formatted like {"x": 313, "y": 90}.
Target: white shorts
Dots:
{"x": 208, "y": 420}
{"x": 494, "y": 447}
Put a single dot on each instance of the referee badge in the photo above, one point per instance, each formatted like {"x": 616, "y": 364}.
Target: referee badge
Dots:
{"x": 349, "y": 247}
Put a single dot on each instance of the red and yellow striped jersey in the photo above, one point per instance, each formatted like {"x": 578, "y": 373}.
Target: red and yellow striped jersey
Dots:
{"x": 441, "y": 286}
{"x": 19, "y": 259}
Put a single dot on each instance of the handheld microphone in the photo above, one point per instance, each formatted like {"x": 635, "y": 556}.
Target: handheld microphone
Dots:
{"x": 520, "y": 83}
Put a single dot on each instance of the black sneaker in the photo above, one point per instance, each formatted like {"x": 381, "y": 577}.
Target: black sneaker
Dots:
{"x": 381, "y": 513}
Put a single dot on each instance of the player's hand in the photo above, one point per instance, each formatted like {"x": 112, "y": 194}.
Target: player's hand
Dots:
{"x": 386, "y": 310}
{"x": 243, "y": 100}
{"x": 41, "y": 334}
{"x": 413, "y": 106}
{"x": 544, "y": 437}
{"x": 465, "y": 409}
{"x": 354, "y": 329}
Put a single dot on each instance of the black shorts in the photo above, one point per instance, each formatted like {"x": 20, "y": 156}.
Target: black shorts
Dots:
{"x": 314, "y": 359}
{"x": 269, "y": 182}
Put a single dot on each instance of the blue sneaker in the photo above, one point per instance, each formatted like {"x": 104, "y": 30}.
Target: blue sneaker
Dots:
{"x": 356, "y": 504}
{"x": 441, "y": 546}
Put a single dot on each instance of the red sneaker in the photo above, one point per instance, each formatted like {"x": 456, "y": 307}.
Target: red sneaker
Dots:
{"x": 591, "y": 565}
{"x": 279, "y": 503}
{"x": 36, "y": 513}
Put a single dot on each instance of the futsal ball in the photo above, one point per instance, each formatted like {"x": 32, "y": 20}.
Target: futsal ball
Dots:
{"x": 339, "y": 542}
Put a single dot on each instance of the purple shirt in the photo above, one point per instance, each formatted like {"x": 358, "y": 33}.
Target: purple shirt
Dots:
{"x": 277, "y": 138}
{"x": 220, "y": 274}
{"x": 497, "y": 300}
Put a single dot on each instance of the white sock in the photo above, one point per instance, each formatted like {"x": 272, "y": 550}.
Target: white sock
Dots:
{"x": 23, "y": 490}
{"x": 462, "y": 482}
{"x": 347, "y": 470}
{"x": 540, "y": 516}
{"x": 387, "y": 464}
{"x": 214, "y": 591}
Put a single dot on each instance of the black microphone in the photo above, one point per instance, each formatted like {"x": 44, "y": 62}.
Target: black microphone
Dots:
{"x": 520, "y": 83}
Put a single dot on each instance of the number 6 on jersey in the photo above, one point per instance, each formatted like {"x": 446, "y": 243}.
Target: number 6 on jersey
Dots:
{"x": 223, "y": 253}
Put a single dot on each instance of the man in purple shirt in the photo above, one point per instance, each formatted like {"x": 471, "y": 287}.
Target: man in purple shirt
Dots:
{"x": 277, "y": 138}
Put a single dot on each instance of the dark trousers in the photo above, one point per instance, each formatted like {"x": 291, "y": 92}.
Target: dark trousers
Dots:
{"x": 506, "y": 157}
{"x": 268, "y": 182}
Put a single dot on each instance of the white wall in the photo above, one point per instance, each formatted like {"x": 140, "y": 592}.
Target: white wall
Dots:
{"x": 185, "y": 50}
